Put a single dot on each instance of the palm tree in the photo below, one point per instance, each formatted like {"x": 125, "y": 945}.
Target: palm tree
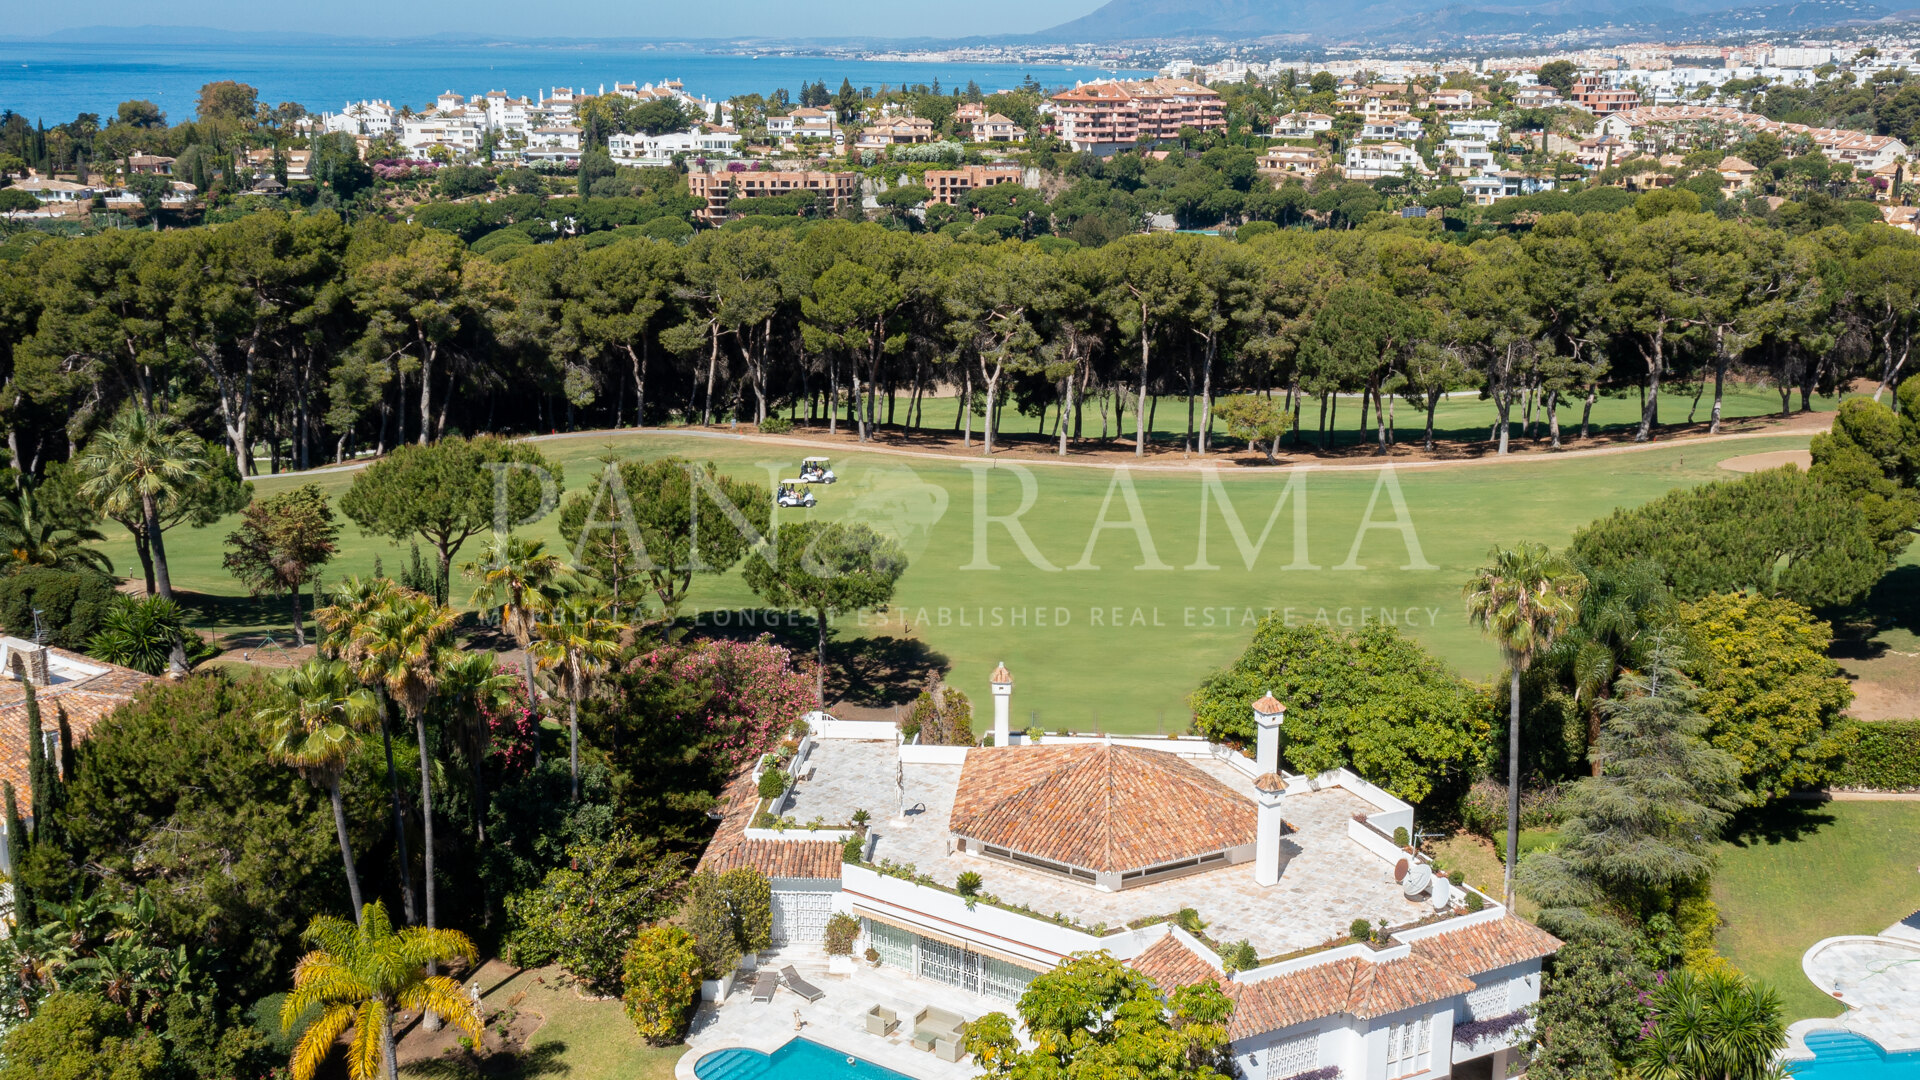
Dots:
{"x": 1622, "y": 613}
{"x": 360, "y": 976}
{"x": 1522, "y": 598}
{"x": 521, "y": 578}
{"x": 399, "y": 645}
{"x": 146, "y": 634}
{"x": 354, "y": 603}
{"x": 29, "y": 537}
{"x": 141, "y": 460}
{"x": 315, "y": 729}
{"x": 475, "y": 680}
{"x": 579, "y": 639}
{"x": 1717, "y": 1026}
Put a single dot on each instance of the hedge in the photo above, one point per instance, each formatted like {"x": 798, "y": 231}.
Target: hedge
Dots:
{"x": 1882, "y": 755}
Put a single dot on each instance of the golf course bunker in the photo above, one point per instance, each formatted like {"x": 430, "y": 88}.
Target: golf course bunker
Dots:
{"x": 1772, "y": 459}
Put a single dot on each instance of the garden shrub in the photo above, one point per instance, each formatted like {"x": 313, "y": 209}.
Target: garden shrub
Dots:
{"x": 774, "y": 783}
{"x": 775, "y": 425}
{"x": 706, "y": 917}
{"x": 842, "y": 929}
{"x": 1879, "y": 755}
{"x": 967, "y": 884}
{"x": 72, "y": 604}
{"x": 580, "y": 916}
{"x": 749, "y": 896}
{"x": 662, "y": 983}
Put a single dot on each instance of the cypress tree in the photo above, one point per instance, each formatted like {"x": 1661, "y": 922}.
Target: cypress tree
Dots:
{"x": 39, "y": 782}
{"x": 23, "y": 905}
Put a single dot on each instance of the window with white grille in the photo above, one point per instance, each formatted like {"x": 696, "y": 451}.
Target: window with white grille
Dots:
{"x": 1410, "y": 1047}
{"x": 1291, "y": 1057}
{"x": 1488, "y": 1001}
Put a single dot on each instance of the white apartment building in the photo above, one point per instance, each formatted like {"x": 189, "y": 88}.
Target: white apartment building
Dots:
{"x": 1394, "y": 128}
{"x": 460, "y": 134}
{"x": 660, "y": 149}
{"x": 1483, "y": 130}
{"x": 1371, "y": 161}
{"x": 1301, "y": 125}
{"x": 1469, "y": 154}
{"x": 370, "y": 118}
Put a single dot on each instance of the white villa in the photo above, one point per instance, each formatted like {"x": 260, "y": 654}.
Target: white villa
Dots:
{"x": 660, "y": 149}
{"x": 1086, "y": 843}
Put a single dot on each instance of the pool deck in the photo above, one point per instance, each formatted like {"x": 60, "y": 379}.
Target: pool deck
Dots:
{"x": 837, "y": 1020}
{"x": 1877, "y": 978}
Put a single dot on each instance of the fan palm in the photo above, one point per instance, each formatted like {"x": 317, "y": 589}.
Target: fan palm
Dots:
{"x": 1523, "y": 598}
{"x": 359, "y": 976}
{"x": 398, "y": 645}
{"x": 1622, "y": 611}
{"x": 578, "y": 639}
{"x": 30, "y": 537}
{"x": 521, "y": 578}
{"x": 142, "y": 461}
{"x": 315, "y": 728}
{"x": 473, "y": 681}
{"x": 354, "y": 603}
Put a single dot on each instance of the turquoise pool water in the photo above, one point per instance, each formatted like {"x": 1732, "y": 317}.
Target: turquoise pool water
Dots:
{"x": 799, "y": 1059}
{"x": 1838, "y": 1055}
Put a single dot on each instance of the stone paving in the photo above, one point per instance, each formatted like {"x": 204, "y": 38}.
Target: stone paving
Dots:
{"x": 837, "y": 1020}
{"x": 1329, "y": 882}
{"x": 847, "y": 775}
{"x": 1879, "y": 981}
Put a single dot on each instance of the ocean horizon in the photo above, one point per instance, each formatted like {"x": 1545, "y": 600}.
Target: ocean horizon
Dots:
{"x": 55, "y": 82}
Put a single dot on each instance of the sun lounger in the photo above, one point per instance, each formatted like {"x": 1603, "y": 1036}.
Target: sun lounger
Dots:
{"x": 764, "y": 984}
{"x": 799, "y": 985}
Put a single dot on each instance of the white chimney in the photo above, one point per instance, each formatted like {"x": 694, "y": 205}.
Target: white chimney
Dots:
{"x": 1268, "y": 715}
{"x": 1002, "y": 701}
{"x": 1269, "y": 791}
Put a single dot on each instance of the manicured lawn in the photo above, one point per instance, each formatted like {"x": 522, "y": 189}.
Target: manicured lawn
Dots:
{"x": 1800, "y": 872}
{"x": 578, "y": 1039}
{"x": 1097, "y": 629}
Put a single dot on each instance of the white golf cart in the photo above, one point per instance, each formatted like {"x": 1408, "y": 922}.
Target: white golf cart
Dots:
{"x": 814, "y": 470}
{"x": 793, "y": 493}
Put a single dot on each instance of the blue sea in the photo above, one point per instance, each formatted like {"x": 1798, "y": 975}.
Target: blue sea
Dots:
{"x": 56, "y": 81}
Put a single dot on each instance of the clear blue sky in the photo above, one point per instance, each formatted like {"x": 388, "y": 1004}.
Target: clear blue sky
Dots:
{"x": 569, "y": 18}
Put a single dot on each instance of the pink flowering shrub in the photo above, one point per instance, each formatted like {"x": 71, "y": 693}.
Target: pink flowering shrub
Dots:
{"x": 511, "y": 728}
{"x": 757, "y": 691}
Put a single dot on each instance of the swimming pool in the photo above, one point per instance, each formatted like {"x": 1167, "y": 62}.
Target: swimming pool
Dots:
{"x": 798, "y": 1059}
{"x": 1838, "y": 1054}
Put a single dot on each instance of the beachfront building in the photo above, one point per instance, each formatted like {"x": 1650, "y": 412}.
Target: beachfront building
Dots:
{"x": 1091, "y": 843}
{"x": 1108, "y": 116}
{"x": 719, "y": 188}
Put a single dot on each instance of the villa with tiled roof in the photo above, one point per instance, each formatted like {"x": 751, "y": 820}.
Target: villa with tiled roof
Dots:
{"x": 1081, "y": 844}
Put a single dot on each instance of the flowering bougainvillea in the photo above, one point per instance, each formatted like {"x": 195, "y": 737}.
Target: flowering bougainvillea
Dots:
{"x": 757, "y": 691}
{"x": 511, "y": 727}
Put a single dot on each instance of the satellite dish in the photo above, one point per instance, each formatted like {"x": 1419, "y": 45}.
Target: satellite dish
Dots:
{"x": 1400, "y": 871}
{"x": 1416, "y": 881}
{"x": 1442, "y": 893}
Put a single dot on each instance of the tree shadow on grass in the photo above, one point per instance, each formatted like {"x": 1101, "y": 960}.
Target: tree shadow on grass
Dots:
{"x": 881, "y": 671}
{"x": 1893, "y": 604}
{"x": 1784, "y": 821}
{"x": 547, "y": 1059}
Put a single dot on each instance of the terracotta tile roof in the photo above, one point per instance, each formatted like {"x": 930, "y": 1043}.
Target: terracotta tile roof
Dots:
{"x": 1102, "y": 807}
{"x": 86, "y": 702}
{"x": 1269, "y": 705}
{"x": 1351, "y": 985}
{"x": 778, "y": 858}
{"x": 1269, "y": 782}
{"x": 1171, "y": 965}
{"x": 730, "y": 847}
{"x": 1483, "y": 947}
{"x": 1001, "y": 674}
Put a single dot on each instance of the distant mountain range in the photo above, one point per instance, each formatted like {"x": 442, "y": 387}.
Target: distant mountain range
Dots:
{"x": 1440, "y": 21}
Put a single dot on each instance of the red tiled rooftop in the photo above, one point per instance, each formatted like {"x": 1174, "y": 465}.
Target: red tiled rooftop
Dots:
{"x": 1102, "y": 807}
{"x": 1484, "y": 947}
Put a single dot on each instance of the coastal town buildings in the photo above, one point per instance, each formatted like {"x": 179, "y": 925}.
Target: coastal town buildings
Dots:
{"x": 1108, "y": 116}
{"x": 949, "y": 186}
{"x": 1090, "y": 843}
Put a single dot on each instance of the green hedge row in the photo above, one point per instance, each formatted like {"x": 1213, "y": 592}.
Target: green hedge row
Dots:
{"x": 1883, "y": 755}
